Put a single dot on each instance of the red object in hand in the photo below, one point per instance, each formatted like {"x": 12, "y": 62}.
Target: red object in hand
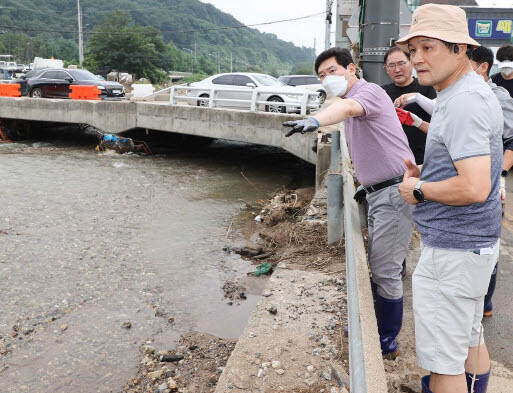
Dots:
{"x": 404, "y": 117}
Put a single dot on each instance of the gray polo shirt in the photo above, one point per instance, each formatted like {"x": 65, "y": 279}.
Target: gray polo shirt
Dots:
{"x": 506, "y": 103}
{"x": 467, "y": 122}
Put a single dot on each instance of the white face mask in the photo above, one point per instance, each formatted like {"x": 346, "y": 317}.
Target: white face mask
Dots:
{"x": 507, "y": 70}
{"x": 335, "y": 85}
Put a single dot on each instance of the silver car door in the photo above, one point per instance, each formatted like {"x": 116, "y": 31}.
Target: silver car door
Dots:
{"x": 245, "y": 93}
{"x": 223, "y": 82}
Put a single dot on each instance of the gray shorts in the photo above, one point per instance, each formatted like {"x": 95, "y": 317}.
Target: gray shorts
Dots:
{"x": 448, "y": 295}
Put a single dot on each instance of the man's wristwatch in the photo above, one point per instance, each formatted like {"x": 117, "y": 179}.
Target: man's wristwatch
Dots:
{"x": 417, "y": 193}
{"x": 504, "y": 173}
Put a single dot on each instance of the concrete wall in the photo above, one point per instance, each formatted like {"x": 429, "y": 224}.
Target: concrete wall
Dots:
{"x": 117, "y": 116}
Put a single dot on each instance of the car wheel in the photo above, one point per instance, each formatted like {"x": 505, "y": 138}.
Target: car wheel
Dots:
{"x": 322, "y": 97}
{"x": 203, "y": 103}
{"x": 37, "y": 93}
{"x": 275, "y": 108}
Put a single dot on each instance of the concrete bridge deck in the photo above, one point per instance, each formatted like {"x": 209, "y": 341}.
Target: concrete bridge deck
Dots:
{"x": 118, "y": 116}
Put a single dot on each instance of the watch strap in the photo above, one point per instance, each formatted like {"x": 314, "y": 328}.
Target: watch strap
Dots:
{"x": 419, "y": 184}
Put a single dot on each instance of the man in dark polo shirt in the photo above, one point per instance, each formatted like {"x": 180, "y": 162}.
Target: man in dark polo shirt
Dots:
{"x": 400, "y": 69}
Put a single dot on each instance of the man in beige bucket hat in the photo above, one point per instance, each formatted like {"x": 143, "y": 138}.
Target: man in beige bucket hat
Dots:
{"x": 457, "y": 205}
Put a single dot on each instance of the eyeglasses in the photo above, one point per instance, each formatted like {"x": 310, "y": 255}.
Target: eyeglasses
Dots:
{"x": 392, "y": 66}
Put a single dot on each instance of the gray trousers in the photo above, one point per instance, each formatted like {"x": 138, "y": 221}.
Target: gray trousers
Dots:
{"x": 390, "y": 228}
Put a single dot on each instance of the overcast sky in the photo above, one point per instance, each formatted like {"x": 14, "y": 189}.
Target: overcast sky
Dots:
{"x": 301, "y": 32}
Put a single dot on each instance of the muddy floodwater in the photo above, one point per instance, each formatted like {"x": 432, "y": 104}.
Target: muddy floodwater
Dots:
{"x": 91, "y": 243}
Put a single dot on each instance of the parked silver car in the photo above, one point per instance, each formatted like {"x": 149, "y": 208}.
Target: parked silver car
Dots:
{"x": 244, "y": 84}
{"x": 309, "y": 82}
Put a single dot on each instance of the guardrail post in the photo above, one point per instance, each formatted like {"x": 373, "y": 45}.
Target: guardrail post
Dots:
{"x": 254, "y": 99}
{"x": 335, "y": 183}
{"x": 172, "y": 96}
{"x": 211, "y": 98}
{"x": 304, "y": 103}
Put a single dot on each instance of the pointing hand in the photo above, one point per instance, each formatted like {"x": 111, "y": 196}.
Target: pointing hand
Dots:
{"x": 303, "y": 126}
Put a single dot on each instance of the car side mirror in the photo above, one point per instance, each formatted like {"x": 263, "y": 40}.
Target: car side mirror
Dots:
{"x": 250, "y": 84}
{"x": 23, "y": 77}
{"x": 69, "y": 79}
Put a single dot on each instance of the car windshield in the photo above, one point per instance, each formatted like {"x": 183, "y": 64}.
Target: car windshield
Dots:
{"x": 267, "y": 80}
{"x": 83, "y": 75}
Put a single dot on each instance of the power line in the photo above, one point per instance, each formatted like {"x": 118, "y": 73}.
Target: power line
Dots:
{"x": 165, "y": 31}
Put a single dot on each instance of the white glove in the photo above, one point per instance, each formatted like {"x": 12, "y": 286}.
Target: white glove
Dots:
{"x": 425, "y": 103}
{"x": 503, "y": 189}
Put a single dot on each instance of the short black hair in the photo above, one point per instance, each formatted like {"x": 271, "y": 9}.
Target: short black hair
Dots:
{"x": 341, "y": 55}
{"x": 505, "y": 53}
{"x": 395, "y": 49}
{"x": 483, "y": 55}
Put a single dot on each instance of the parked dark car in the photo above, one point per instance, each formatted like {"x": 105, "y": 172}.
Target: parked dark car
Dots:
{"x": 22, "y": 80}
{"x": 55, "y": 83}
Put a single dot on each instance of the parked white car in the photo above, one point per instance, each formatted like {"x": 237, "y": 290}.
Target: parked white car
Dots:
{"x": 244, "y": 84}
{"x": 309, "y": 82}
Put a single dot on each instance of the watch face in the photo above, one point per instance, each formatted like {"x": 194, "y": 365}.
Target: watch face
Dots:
{"x": 419, "y": 196}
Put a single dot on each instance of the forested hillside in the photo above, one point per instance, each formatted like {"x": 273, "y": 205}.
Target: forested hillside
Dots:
{"x": 49, "y": 27}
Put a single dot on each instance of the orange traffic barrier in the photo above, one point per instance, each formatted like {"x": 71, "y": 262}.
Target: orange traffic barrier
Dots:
{"x": 82, "y": 92}
{"x": 10, "y": 90}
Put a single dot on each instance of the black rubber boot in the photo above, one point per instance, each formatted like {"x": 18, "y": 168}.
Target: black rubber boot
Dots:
{"x": 488, "y": 307}
{"x": 481, "y": 383}
{"x": 389, "y": 314}
{"x": 425, "y": 384}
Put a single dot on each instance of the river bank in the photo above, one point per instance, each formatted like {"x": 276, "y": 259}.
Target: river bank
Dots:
{"x": 101, "y": 254}
{"x": 294, "y": 338}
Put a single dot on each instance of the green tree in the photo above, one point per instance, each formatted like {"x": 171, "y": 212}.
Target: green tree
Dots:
{"x": 302, "y": 69}
{"x": 120, "y": 44}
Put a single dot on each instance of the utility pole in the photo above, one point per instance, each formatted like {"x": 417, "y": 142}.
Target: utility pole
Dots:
{"x": 327, "y": 40}
{"x": 380, "y": 30}
{"x": 231, "y": 61}
{"x": 195, "y": 54}
{"x": 80, "y": 36}
{"x": 314, "y": 56}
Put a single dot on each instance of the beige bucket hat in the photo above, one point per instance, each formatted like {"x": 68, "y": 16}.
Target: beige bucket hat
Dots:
{"x": 443, "y": 22}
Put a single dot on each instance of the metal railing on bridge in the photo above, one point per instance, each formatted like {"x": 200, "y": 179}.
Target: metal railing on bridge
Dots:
{"x": 304, "y": 104}
{"x": 366, "y": 369}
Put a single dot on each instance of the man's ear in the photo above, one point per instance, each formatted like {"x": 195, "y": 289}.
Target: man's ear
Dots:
{"x": 486, "y": 67}
{"x": 462, "y": 49}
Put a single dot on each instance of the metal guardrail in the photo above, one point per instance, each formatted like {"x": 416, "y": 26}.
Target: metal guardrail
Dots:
{"x": 366, "y": 369}
{"x": 304, "y": 101}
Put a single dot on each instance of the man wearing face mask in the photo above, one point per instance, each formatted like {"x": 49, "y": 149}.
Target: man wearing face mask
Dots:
{"x": 505, "y": 77}
{"x": 377, "y": 145}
